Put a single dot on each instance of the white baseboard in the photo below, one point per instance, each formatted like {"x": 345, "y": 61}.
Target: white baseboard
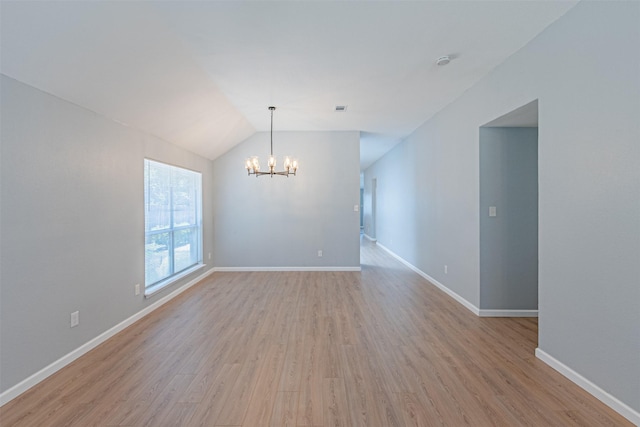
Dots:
{"x": 373, "y": 239}
{"x": 475, "y": 310}
{"x": 458, "y": 298}
{"x": 606, "y": 398}
{"x": 54, "y": 367}
{"x": 609, "y": 400}
{"x": 239, "y": 269}
{"x": 508, "y": 313}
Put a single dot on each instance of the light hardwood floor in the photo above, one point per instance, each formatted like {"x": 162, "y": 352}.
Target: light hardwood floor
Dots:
{"x": 378, "y": 348}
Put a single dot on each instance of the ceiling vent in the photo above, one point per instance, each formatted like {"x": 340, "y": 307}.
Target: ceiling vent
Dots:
{"x": 341, "y": 108}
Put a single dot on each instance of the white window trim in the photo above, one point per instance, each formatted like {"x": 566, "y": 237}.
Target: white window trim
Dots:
{"x": 157, "y": 287}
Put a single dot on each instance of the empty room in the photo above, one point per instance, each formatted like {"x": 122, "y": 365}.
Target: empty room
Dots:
{"x": 320, "y": 213}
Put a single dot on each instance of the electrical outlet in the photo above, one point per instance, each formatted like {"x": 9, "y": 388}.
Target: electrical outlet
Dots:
{"x": 446, "y": 269}
{"x": 356, "y": 208}
{"x": 75, "y": 319}
{"x": 209, "y": 255}
{"x": 137, "y": 289}
{"x": 320, "y": 253}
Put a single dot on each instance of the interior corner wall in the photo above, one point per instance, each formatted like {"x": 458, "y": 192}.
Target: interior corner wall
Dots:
{"x": 72, "y": 225}
{"x": 584, "y": 69}
{"x": 282, "y": 222}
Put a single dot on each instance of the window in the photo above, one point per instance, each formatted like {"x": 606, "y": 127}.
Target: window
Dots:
{"x": 172, "y": 222}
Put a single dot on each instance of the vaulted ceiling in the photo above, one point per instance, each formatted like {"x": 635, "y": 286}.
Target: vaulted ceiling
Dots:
{"x": 201, "y": 74}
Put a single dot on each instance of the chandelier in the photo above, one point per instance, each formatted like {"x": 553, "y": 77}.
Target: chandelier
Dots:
{"x": 253, "y": 166}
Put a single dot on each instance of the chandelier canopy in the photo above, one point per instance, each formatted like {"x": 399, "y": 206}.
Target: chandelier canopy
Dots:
{"x": 253, "y": 165}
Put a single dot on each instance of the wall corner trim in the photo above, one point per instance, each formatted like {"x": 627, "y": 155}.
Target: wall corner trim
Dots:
{"x": 475, "y": 310}
{"x": 606, "y": 398}
{"x": 65, "y": 360}
{"x": 373, "y": 239}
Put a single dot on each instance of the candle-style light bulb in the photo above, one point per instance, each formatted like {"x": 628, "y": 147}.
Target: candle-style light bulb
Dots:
{"x": 255, "y": 165}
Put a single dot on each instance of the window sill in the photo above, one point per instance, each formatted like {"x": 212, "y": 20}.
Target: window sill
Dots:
{"x": 152, "y": 290}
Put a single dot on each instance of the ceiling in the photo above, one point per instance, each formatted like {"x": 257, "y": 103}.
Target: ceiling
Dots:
{"x": 201, "y": 74}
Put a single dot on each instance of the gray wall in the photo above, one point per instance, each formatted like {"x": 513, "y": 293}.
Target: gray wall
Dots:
{"x": 368, "y": 207}
{"x": 72, "y": 225}
{"x": 585, "y": 71}
{"x": 509, "y": 240}
{"x": 283, "y": 222}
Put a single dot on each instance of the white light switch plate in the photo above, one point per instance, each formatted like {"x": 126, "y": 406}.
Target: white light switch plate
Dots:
{"x": 492, "y": 211}
{"x": 75, "y": 319}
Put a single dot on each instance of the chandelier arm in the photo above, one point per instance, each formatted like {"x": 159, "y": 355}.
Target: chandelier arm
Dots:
{"x": 282, "y": 173}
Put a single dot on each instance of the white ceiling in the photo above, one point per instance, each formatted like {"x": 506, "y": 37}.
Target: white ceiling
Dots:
{"x": 201, "y": 74}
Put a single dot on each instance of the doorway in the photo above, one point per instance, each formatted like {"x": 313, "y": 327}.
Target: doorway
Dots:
{"x": 509, "y": 214}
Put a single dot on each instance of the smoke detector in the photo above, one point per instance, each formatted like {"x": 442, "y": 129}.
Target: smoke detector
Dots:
{"x": 443, "y": 60}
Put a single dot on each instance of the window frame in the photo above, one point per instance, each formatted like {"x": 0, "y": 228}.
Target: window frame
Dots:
{"x": 174, "y": 275}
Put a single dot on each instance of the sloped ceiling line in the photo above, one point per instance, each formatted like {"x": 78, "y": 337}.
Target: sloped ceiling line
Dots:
{"x": 201, "y": 74}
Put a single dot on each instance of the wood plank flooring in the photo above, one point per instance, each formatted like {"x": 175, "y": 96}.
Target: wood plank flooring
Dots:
{"x": 378, "y": 348}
